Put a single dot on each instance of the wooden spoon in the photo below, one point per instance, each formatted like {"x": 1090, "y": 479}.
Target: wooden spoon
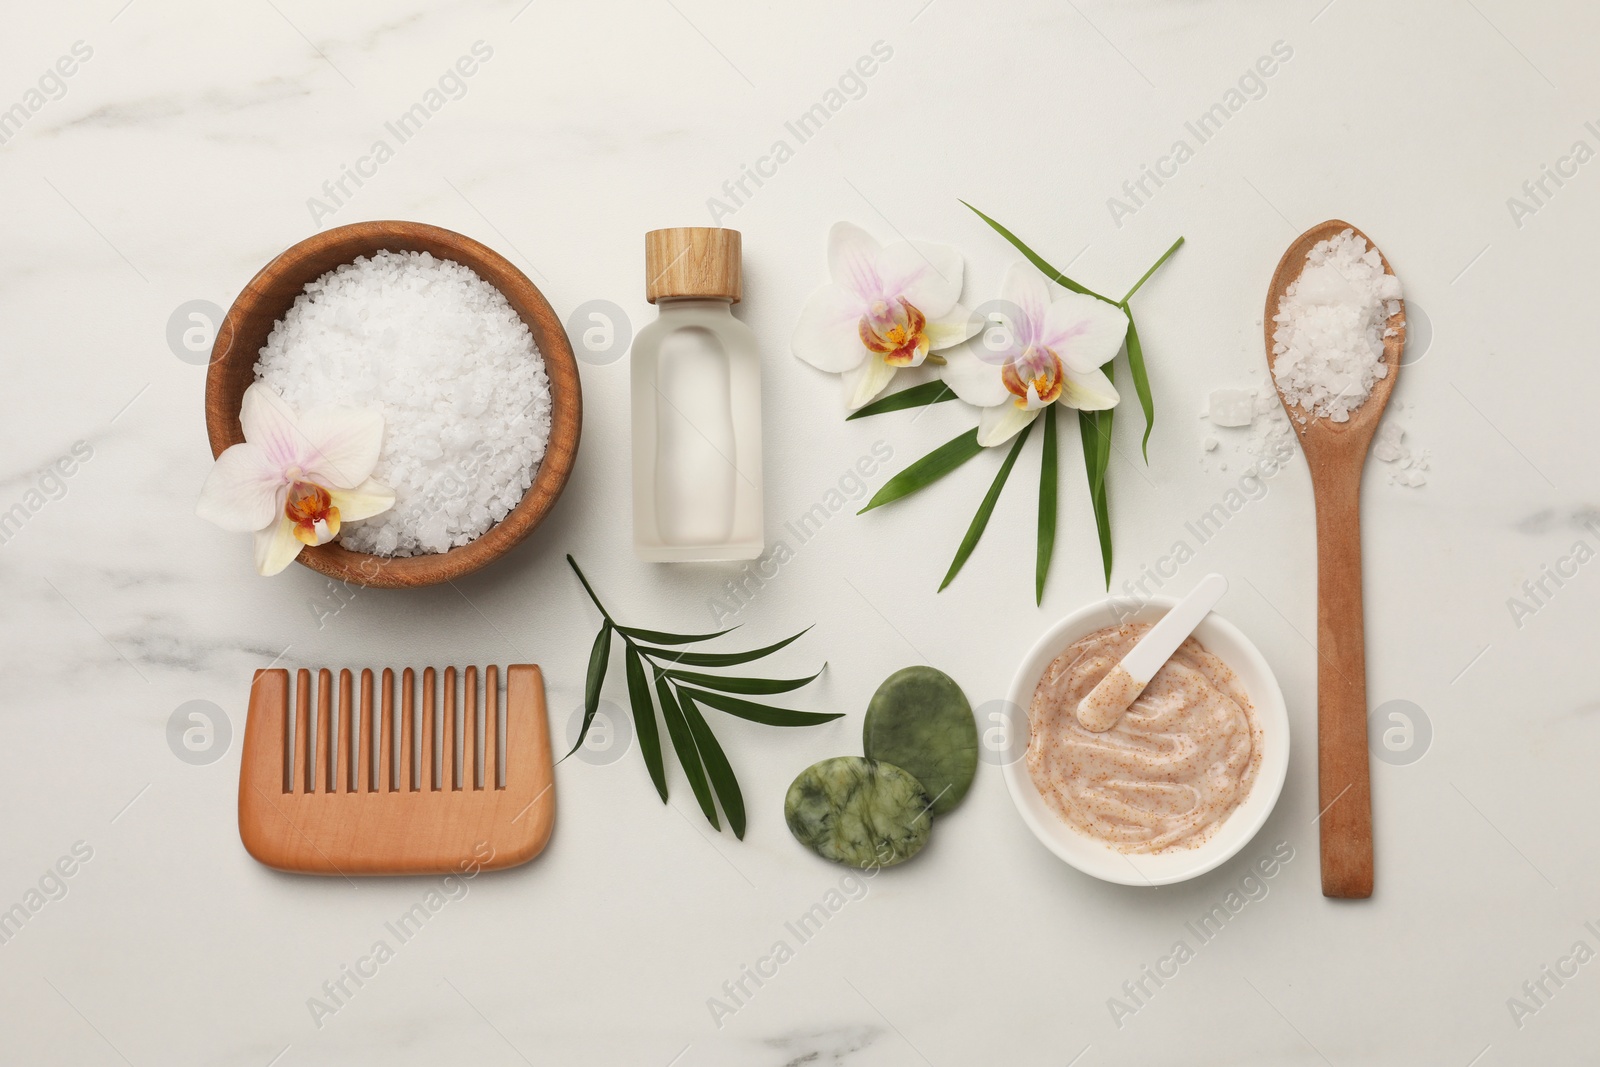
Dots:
{"x": 1336, "y": 452}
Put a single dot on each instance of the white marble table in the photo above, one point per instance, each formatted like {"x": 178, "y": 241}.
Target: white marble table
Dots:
{"x": 183, "y": 152}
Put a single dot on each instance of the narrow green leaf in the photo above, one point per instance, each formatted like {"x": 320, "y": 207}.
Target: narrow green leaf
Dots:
{"x": 1036, "y": 259}
{"x": 1096, "y": 431}
{"x": 661, "y": 637}
{"x": 1141, "y": 381}
{"x": 599, "y": 656}
{"x": 1153, "y": 268}
{"x": 683, "y": 744}
{"x": 718, "y": 769}
{"x": 752, "y": 686}
{"x": 927, "y": 470}
{"x": 719, "y": 659}
{"x": 916, "y": 397}
{"x": 749, "y": 709}
{"x": 1048, "y": 485}
{"x": 985, "y": 509}
{"x": 644, "y": 721}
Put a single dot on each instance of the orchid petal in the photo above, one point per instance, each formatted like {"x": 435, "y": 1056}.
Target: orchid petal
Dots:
{"x": 1001, "y": 423}
{"x": 241, "y": 492}
{"x": 971, "y": 378}
{"x": 276, "y": 547}
{"x": 1089, "y": 392}
{"x": 866, "y": 381}
{"x": 366, "y": 500}
{"x": 852, "y": 261}
{"x": 955, "y": 326}
{"x": 828, "y": 335}
{"x": 341, "y": 445}
{"x": 927, "y": 275}
{"x": 1084, "y": 332}
{"x": 268, "y": 424}
{"x": 1026, "y": 289}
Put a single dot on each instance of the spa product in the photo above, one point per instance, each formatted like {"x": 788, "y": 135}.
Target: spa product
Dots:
{"x": 454, "y": 371}
{"x": 1170, "y": 771}
{"x": 1100, "y": 710}
{"x": 920, "y": 720}
{"x": 361, "y": 791}
{"x": 858, "y": 812}
{"x": 1330, "y": 328}
{"x": 696, "y": 385}
{"x": 1336, "y": 448}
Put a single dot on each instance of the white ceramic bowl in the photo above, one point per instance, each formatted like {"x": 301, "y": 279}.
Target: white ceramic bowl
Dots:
{"x": 1222, "y": 639}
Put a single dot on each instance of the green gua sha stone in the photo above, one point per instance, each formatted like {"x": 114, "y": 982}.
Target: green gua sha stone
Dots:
{"x": 858, "y": 812}
{"x": 920, "y": 720}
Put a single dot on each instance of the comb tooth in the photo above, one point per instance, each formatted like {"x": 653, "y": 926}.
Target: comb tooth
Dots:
{"x": 450, "y": 732}
{"x": 521, "y": 694}
{"x": 383, "y": 779}
{"x": 366, "y": 774}
{"x": 302, "y": 731}
{"x": 491, "y": 728}
{"x": 322, "y": 781}
{"x": 473, "y": 747}
{"x": 348, "y": 752}
{"x": 267, "y": 731}
{"x": 430, "y": 767}
{"x": 409, "y": 748}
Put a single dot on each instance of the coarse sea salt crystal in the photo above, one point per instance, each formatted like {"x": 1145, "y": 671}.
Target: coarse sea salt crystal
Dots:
{"x": 455, "y": 372}
{"x": 1330, "y": 327}
{"x": 1232, "y": 407}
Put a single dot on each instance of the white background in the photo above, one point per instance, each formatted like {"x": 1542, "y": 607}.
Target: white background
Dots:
{"x": 181, "y": 159}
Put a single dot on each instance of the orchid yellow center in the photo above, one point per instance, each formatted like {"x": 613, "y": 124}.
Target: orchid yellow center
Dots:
{"x": 896, "y": 331}
{"x": 310, "y": 508}
{"x": 1035, "y": 378}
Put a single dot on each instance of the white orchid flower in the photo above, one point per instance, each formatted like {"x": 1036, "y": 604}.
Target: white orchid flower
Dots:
{"x": 293, "y": 482}
{"x": 886, "y": 308}
{"x": 1050, "y": 349}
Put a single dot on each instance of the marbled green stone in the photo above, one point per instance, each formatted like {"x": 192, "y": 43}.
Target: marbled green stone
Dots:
{"x": 920, "y": 720}
{"x": 858, "y": 812}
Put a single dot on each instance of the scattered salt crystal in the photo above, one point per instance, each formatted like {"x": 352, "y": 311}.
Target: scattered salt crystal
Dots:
{"x": 460, "y": 382}
{"x": 1386, "y": 446}
{"x": 1232, "y": 407}
{"x": 1331, "y": 322}
{"x": 1210, "y": 443}
{"x": 1390, "y": 447}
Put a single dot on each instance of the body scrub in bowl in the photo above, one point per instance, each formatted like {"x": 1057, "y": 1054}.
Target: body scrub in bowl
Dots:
{"x": 1185, "y": 777}
{"x": 1172, "y": 768}
{"x": 458, "y": 350}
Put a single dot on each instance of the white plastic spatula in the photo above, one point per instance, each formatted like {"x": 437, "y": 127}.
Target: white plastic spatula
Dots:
{"x": 1100, "y": 710}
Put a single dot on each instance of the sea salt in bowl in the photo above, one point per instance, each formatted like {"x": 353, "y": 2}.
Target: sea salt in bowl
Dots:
{"x": 1093, "y": 857}
{"x": 270, "y": 295}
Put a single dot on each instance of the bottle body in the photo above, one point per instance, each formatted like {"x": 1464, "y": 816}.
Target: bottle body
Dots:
{"x": 696, "y": 397}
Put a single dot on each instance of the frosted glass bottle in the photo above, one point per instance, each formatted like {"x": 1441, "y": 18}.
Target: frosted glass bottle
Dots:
{"x": 696, "y": 394}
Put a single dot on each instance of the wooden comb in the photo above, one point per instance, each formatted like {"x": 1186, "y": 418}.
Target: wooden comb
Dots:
{"x": 338, "y": 794}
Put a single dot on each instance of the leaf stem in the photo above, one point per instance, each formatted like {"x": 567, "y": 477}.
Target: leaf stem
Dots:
{"x": 590, "y": 590}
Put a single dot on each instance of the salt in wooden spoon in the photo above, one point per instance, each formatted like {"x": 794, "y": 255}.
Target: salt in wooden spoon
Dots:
{"x": 1336, "y": 453}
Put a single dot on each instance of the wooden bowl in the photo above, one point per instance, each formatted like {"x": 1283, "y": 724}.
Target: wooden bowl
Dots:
{"x": 268, "y": 297}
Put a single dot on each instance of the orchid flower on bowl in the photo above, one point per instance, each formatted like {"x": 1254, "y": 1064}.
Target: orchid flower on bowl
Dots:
{"x": 295, "y": 481}
{"x": 886, "y": 307}
{"x": 1049, "y": 349}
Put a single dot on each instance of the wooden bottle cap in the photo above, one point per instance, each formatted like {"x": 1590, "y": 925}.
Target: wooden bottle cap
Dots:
{"x": 692, "y": 261}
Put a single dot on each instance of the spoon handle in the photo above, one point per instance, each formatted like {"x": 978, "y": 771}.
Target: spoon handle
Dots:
{"x": 1343, "y": 771}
